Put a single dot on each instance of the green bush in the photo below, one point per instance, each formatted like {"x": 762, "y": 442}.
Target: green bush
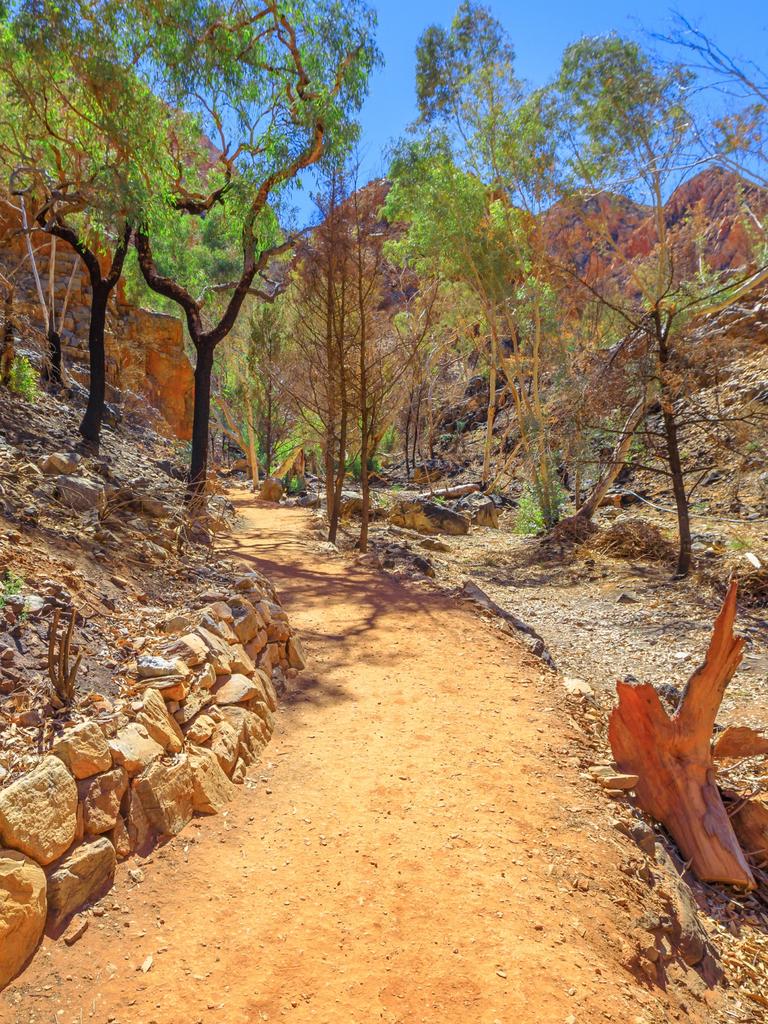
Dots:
{"x": 23, "y": 379}
{"x": 537, "y": 512}
{"x": 10, "y": 585}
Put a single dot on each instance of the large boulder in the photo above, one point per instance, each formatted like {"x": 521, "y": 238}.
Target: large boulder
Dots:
{"x": 428, "y": 517}
{"x": 160, "y": 727}
{"x": 38, "y": 812}
{"x": 271, "y": 489}
{"x": 134, "y": 748}
{"x": 84, "y": 750}
{"x": 480, "y": 509}
{"x": 165, "y": 790}
{"x": 80, "y": 878}
{"x": 211, "y": 789}
{"x": 22, "y": 911}
{"x": 101, "y": 797}
{"x": 80, "y": 494}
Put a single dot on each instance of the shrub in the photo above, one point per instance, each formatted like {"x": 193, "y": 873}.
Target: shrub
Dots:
{"x": 538, "y": 512}
{"x": 10, "y": 585}
{"x": 23, "y": 379}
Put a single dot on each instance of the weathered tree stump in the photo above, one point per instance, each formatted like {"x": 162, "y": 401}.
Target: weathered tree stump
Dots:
{"x": 673, "y": 757}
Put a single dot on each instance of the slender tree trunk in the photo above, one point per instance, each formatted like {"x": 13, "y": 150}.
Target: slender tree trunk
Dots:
{"x": 90, "y": 427}
{"x": 52, "y": 374}
{"x": 7, "y": 352}
{"x": 491, "y": 414}
{"x": 200, "y": 420}
{"x": 408, "y": 436}
{"x": 673, "y": 456}
{"x": 268, "y": 439}
{"x": 678, "y": 488}
{"x": 618, "y": 459}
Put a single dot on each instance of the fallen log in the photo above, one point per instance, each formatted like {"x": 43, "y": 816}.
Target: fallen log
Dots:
{"x": 673, "y": 757}
{"x": 459, "y": 491}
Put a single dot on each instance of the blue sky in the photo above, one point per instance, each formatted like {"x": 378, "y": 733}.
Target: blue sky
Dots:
{"x": 539, "y": 32}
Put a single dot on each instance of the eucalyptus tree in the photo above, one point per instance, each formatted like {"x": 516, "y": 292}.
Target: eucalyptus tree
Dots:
{"x": 274, "y": 86}
{"x": 625, "y": 124}
{"x": 79, "y": 137}
{"x": 488, "y": 162}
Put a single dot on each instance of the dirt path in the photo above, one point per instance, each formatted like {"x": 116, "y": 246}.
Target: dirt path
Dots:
{"x": 417, "y": 845}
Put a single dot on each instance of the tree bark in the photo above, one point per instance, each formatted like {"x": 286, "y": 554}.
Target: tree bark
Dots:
{"x": 90, "y": 427}
{"x": 52, "y": 374}
{"x": 673, "y": 456}
{"x": 678, "y": 488}
{"x": 101, "y": 288}
{"x": 673, "y": 757}
{"x": 200, "y": 419}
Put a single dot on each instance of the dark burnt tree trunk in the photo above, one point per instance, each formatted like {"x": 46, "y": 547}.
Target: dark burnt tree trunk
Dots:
{"x": 90, "y": 427}
{"x": 101, "y": 288}
{"x": 673, "y": 456}
{"x": 52, "y": 375}
{"x": 204, "y": 343}
{"x": 201, "y": 414}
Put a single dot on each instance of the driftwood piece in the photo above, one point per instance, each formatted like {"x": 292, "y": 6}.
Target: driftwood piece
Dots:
{"x": 739, "y": 741}
{"x": 673, "y": 757}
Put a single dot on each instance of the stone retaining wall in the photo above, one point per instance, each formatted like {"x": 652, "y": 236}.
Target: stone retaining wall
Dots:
{"x": 200, "y": 712}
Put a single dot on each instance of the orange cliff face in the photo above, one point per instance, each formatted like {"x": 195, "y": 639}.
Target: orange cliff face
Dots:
{"x": 145, "y": 350}
{"x": 713, "y": 218}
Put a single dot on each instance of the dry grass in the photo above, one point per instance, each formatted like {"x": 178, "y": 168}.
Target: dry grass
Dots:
{"x": 634, "y": 538}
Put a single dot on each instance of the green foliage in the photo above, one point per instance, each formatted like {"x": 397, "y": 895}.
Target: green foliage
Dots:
{"x": 625, "y": 114}
{"x": 23, "y": 379}
{"x": 10, "y": 585}
{"x": 354, "y": 466}
{"x": 540, "y": 506}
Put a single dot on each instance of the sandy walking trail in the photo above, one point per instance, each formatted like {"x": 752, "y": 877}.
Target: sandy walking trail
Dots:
{"x": 416, "y": 846}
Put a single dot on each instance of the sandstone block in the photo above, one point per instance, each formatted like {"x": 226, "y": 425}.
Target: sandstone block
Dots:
{"x": 101, "y": 797}
{"x": 134, "y": 748}
{"x": 63, "y": 463}
{"x": 38, "y": 812}
{"x": 224, "y": 744}
{"x": 190, "y": 648}
{"x": 235, "y": 689}
{"x": 80, "y": 494}
{"x": 159, "y": 724}
{"x": 200, "y": 730}
{"x": 80, "y": 878}
{"x": 247, "y": 621}
{"x": 218, "y": 650}
{"x": 165, "y": 789}
{"x": 84, "y": 750}
{"x": 211, "y": 789}
{"x": 295, "y": 653}
{"x": 22, "y": 911}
